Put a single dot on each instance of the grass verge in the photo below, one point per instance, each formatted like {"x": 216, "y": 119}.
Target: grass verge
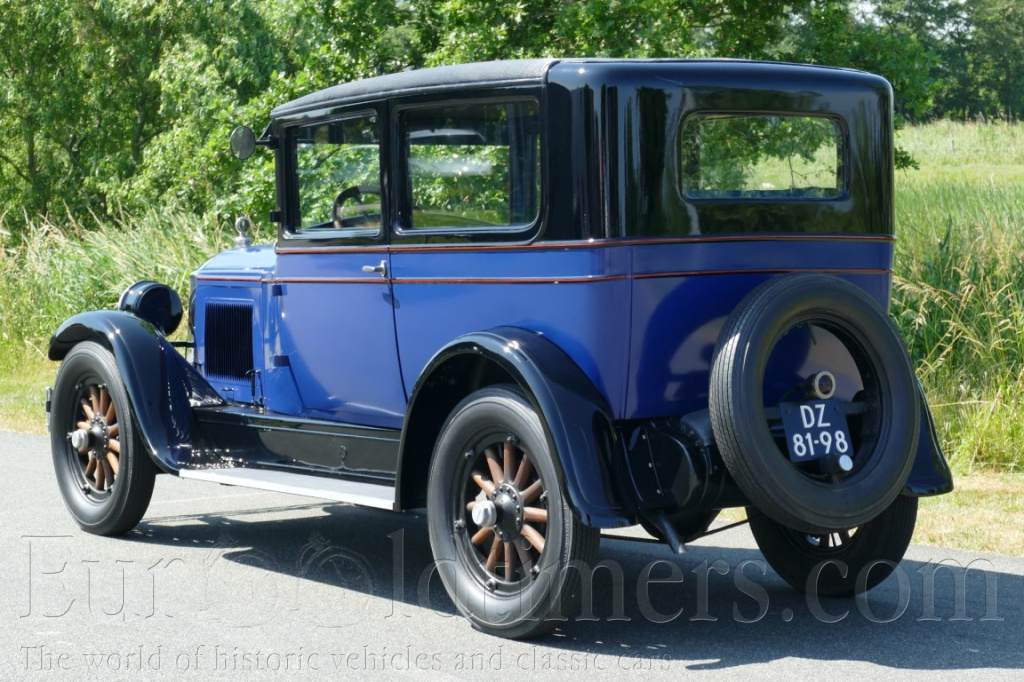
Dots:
{"x": 984, "y": 514}
{"x": 22, "y": 393}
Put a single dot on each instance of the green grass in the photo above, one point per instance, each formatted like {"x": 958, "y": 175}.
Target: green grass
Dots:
{"x": 958, "y": 294}
{"x": 983, "y": 514}
{"x": 22, "y": 383}
{"x": 58, "y": 270}
{"x": 976, "y": 152}
{"x": 54, "y": 271}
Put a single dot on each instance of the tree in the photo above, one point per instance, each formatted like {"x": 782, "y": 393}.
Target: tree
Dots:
{"x": 996, "y": 58}
{"x": 40, "y": 104}
{"x": 127, "y": 104}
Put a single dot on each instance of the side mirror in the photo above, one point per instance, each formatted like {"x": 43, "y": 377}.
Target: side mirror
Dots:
{"x": 243, "y": 142}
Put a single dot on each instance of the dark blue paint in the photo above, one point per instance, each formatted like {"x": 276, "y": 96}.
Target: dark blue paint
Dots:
{"x": 588, "y": 320}
{"x": 675, "y": 320}
{"x": 237, "y": 389}
{"x": 339, "y": 338}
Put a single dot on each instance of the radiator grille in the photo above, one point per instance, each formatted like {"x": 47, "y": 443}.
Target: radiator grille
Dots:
{"x": 229, "y": 340}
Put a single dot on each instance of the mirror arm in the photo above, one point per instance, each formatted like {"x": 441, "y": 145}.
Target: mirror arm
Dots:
{"x": 267, "y": 139}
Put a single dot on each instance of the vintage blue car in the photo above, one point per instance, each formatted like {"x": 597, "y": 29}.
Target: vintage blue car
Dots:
{"x": 540, "y": 298}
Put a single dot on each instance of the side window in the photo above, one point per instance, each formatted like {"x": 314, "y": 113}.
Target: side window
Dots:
{"x": 757, "y": 156}
{"x": 337, "y": 166}
{"x": 471, "y": 165}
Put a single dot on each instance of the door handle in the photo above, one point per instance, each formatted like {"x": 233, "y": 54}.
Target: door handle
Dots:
{"x": 382, "y": 268}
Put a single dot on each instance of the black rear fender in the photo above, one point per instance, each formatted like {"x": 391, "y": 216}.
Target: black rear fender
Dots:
{"x": 576, "y": 416}
{"x": 930, "y": 474}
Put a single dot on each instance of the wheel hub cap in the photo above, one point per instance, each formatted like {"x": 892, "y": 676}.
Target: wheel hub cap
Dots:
{"x": 509, "y": 509}
{"x": 80, "y": 440}
{"x": 485, "y": 514}
{"x": 98, "y": 434}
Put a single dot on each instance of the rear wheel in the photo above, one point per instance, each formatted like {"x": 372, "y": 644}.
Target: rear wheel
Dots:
{"x": 102, "y": 469}
{"x": 507, "y": 546}
{"x": 841, "y": 563}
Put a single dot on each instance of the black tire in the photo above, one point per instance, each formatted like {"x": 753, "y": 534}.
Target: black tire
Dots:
{"x": 540, "y": 585}
{"x": 108, "y": 484}
{"x": 884, "y": 432}
{"x": 815, "y": 563}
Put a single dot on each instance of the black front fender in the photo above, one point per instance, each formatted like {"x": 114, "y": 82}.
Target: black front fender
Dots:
{"x": 162, "y": 386}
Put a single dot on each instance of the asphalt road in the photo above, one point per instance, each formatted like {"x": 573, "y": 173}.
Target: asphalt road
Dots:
{"x": 226, "y": 583}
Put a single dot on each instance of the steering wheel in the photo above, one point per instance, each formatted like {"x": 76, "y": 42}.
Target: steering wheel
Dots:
{"x": 353, "y": 193}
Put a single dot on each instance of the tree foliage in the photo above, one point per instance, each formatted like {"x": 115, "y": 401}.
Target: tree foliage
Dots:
{"x": 125, "y": 105}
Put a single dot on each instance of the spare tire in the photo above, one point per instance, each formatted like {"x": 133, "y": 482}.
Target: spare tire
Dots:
{"x": 884, "y": 419}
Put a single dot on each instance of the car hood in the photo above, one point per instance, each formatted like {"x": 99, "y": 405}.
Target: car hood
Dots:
{"x": 252, "y": 262}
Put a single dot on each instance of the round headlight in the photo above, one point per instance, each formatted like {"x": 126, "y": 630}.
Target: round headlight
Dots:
{"x": 153, "y": 302}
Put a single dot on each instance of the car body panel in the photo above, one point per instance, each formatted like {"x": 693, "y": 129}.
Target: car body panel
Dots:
{"x": 675, "y": 323}
{"x": 577, "y": 298}
{"x": 349, "y": 369}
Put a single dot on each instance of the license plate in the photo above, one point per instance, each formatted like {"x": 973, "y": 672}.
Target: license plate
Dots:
{"x": 815, "y": 429}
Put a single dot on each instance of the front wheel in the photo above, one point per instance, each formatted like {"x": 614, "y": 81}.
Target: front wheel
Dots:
{"x": 508, "y": 548}
{"x": 841, "y": 563}
{"x": 102, "y": 470}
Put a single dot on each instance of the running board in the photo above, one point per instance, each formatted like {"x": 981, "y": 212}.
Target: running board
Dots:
{"x": 363, "y": 494}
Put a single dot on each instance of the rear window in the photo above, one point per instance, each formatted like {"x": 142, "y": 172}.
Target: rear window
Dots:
{"x": 761, "y": 157}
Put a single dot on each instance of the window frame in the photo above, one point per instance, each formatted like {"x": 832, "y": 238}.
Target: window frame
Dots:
{"x": 399, "y": 168}
{"x": 842, "y": 158}
{"x": 292, "y": 232}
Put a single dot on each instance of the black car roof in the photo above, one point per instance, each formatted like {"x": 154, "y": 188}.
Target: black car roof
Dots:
{"x": 436, "y": 78}
{"x": 527, "y": 71}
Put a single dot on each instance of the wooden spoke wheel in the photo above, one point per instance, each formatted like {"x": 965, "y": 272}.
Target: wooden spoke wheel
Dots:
{"x": 508, "y": 516}
{"x": 501, "y": 529}
{"x": 96, "y": 439}
{"x": 104, "y": 474}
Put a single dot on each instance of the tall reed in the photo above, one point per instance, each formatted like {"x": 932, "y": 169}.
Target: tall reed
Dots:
{"x": 958, "y": 295}
{"x": 54, "y": 271}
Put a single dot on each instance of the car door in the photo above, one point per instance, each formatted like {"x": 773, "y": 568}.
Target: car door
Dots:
{"x": 331, "y": 295}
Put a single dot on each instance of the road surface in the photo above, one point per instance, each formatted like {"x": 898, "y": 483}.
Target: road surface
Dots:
{"x": 228, "y": 583}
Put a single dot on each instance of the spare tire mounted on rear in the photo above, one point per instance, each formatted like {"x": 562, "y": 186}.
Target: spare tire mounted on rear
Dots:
{"x": 883, "y": 416}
